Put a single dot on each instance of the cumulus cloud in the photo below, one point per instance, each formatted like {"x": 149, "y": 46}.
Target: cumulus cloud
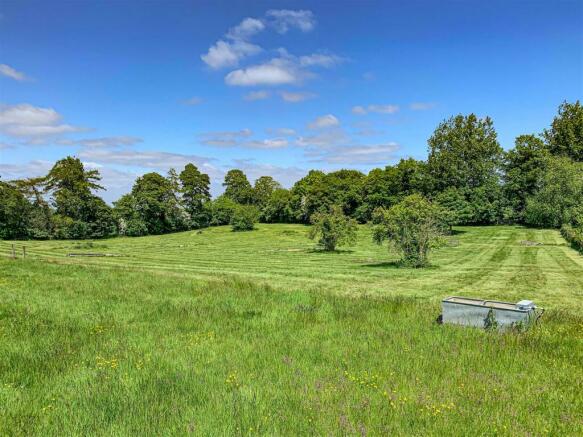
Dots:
{"x": 295, "y": 97}
{"x": 354, "y": 154}
{"x": 286, "y": 176}
{"x": 282, "y": 132}
{"x": 8, "y": 71}
{"x": 33, "y": 123}
{"x": 34, "y": 168}
{"x": 421, "y": 106}
{"x": 247, "y": 28}
{"x": 278, "y": 71}
{"x": 284, "y": 19}
{"x": 324, "y": 122}
{"x": 320, "y": 60}
{"x": 380, "y": 109}
{"x": 228, "y": 54}
{"x": 257, "y": 95}
{"x": 269, "y": 143}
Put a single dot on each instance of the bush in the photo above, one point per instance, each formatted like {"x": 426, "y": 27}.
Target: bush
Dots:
{"x": 244, "y": 218}
{"x": 221, "y": 210}
{"x": 412, "y": 227}
{"x": 574, "y": 236}
{"x": 333, "y": 228}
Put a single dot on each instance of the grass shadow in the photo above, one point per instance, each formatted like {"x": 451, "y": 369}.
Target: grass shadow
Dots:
{"x": 398, "y": 265}
{"x": 324, "y": 251}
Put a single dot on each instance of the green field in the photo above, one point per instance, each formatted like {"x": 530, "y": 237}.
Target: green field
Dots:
{"x": 222, "y": 333}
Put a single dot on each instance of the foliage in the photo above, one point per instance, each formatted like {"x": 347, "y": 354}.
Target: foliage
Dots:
{"x": 14, "y": 212}
{"x": 565, "y": 136}
{"x": 456, "y": 209}
{"x": 221, "y": 210}
{"x": 333, "y": 229}
{"x": 237, "y": 187}
{"x": 573, "y": 235}
{"x": 463, "y": 153}
{"x": 523, "y": 169}
{"x": 277, "y": 209}
{"x": 560, "y": 193}
{"x": 412, "y": 227}
{"x": 244, "y": 218}
{"x": 194, "y": 187}
{"x": 263, "y": 189}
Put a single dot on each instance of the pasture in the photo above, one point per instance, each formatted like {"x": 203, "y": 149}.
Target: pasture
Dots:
{"x": 222, "y": 333}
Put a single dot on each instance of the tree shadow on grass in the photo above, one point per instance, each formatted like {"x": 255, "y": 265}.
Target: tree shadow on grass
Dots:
{"x": 397, "y": 265}
{"x": 324, "y": 251}
{"x": 457, "y": 232}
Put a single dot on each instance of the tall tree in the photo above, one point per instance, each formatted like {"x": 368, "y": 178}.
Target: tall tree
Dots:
{"x": 237, "y": 187}
{"x": 523, "y": 167}
{"x": 263, "y": 189}
{"x": 565, "y": 136}
{"x": 194, "y": 187}
{"x": 463, "y": 152}
{"x": 14, "y": 212}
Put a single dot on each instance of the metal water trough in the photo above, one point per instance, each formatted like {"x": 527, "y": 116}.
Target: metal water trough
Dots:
{"x": 480, "y": 313}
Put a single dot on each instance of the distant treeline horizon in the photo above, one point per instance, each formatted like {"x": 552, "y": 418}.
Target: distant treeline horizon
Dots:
{"x": 539, "y": 182}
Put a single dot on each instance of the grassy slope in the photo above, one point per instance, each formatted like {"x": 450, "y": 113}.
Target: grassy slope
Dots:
{"x": 88, "y": 350}
{"x": 490, "y": 262}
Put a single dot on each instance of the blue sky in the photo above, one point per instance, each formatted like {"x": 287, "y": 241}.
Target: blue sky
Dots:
{"x": 271, "y": 87}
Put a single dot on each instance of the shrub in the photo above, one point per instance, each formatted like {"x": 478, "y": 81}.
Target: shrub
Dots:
{"x": 412, "y": 227}
{"x": 574, "y": 236}
{"x": 244, "y": 218}
{"x": 221, "y": 210}
{"x": 333, "y": 228}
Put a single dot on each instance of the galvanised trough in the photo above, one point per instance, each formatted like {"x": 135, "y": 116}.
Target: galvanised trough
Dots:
{"x": 484, "y": 313}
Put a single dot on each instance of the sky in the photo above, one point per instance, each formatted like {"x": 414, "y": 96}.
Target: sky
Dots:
{"x": 271, "y": 87}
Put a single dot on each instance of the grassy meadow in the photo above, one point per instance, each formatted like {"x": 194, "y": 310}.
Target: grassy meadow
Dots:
{"x": 222, "y": 333}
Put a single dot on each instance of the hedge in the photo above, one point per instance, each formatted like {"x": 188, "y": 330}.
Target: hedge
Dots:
{"x": 574, "y": 236}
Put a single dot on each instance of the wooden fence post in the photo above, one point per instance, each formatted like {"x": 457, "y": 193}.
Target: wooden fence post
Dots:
{"x": 13, "y": 252}
{"x": 23, "y": 252}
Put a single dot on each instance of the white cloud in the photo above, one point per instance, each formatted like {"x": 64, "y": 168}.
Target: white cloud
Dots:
{"x": 282, "y": 132}
{"x": 102, "y": 142}
{"x": 193, "y": 101}
{"x": 270, "y": 143}
{"x": 33, "y": 123}
{"x": 8, "y": 71}
{"x": 224, "y": 138}
{"x": 284, "y": 19}
{"x": 31, "y": 169}
{"x": 247, "y": 28}
{"x": 354, "y": 154}
{"x": 380, "y": 109}
{"x": 320, "y": 60}
{"x": 278, "y": 71}
{"x": 421, "y": 106}
{"x": 324, "y": 122}
{"x": 295, "y": 97}
{"x": 228, "y": 54}
{"x": 257, "y": 95}
{"x": 287, "y": 176}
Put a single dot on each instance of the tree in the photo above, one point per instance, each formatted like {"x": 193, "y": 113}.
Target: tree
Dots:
{"x": 278, "y": 208}
{"x": 333, "y": 228}
{"x": 194, "y": 187}
{"x": 244, "y": 218}
{"x": 463, "y": 153}
{"x": 237, "y": 187}
{"x": 344, "y": 188}
{"x": 151, "y": 205}
{"x": 457, "y": 210}
{"x": 565, "y": 136}
{"x": 40, "y": 221}
{"x": 559, "y": 196}
{"x": 263, "y": 189}
{"x": 412, "y": 227}
{"x": 79, "y": 213}
{"x": 221, "y": 210}
{"x": 14, "y": 212}
{"x": 523, "y": 169}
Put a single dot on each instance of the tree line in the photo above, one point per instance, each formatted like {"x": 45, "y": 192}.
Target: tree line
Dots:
{"x": 539, "y": 182}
